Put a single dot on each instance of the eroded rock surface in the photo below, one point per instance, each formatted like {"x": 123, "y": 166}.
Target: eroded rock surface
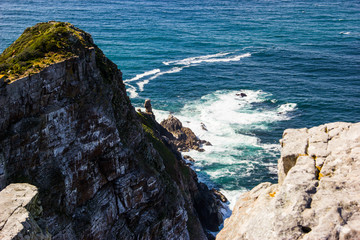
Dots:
{"x": 182, "y": 137}
{"x": 19, "y": 210}
{"x": 71, "y": 131}
{"x": 318, "y": 192}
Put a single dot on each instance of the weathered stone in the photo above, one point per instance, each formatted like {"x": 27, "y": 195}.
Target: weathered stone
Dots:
{"x": 219, "y": 195}
{"x": 19, "y": 207}
{"x": 318, "y": 196}
{"x": 182, "y": 137}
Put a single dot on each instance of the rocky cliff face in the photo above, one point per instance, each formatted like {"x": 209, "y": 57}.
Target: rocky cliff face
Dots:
{"x": 69, "y": 129}
{"x": 318, "y": 192}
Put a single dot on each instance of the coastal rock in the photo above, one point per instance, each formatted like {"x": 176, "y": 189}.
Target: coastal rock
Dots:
{"x": 182, "y": 137}
{"x": 148, "y": 108}
{"x": 187, "y": 157}
{"x": 19, "y": 207}
{"x": 318, "y": 193}
{"x": 70, "y": 130}
{"x": 241, "y": 94}
{"x": 219, "y": 195}
{"x": 203, "y": 203}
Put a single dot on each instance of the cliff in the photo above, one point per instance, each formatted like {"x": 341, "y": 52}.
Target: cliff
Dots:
{"x": 68, "y": 128}
{"x": 318, "y": 193}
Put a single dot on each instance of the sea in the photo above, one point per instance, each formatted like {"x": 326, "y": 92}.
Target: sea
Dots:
{"x": 297, "y": 64}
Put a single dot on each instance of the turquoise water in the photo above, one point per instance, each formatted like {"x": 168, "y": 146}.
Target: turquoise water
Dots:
{"x": 298, "y": 62}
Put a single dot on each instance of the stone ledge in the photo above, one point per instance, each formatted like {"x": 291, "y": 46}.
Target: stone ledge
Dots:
{"x": 18, "y": 210}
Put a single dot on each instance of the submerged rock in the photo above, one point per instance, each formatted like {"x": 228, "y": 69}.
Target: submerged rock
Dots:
{"x": 318, "y": 193}
{"x": 241, "y": 94}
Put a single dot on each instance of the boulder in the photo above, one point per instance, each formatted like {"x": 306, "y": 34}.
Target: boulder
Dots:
{"x": 19, "y": 207}
{"x": 182, "y": 137}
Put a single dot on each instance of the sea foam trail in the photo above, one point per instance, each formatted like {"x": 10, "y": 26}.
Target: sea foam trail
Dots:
{"x": 232, "y": 122}
{"x": 146, "y": 77}
{"x": 208, "y": 59}
{"x": 132, "y": 90}
{"x": 187, "y": 61}
{"x": 144, "y": 82}
{"x": 145, "y": 74}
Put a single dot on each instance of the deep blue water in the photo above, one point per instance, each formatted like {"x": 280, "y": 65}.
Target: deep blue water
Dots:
{"x": 298, "y": 62}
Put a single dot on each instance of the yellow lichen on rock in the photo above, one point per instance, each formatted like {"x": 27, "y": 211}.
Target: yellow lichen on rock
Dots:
{"x": 272, "y": 194}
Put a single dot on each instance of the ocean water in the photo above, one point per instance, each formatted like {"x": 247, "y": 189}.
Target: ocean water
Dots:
{"x": 298, "y": 62}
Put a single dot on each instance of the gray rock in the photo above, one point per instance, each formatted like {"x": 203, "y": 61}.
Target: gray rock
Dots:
{"x": 182, "y": 137}
{"x": 19, "y": 207}
{"x": 318, "y": 192}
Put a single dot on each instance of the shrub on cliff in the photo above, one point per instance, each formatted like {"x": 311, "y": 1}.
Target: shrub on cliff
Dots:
{"x": 40, "y": 46}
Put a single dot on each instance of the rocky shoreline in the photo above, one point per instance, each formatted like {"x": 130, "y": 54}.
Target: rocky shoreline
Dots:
{"x": 78, "y": 162}
{"x": 318, "y": 193}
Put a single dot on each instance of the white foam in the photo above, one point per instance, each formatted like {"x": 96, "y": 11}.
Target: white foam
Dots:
{"x": 187, "y": 61}
{"x": 132, "y": 91}
{"x": 232, "y": 196}
{"x": 287, "y": 107}
{"x": 208, "y": 59}
{"x": 172, "y": 70}
{"x": 228, "y": 118}
{"x": 145, "y": 74}
{"x": 146, "y": 81}
{"x": 142, "y": 84}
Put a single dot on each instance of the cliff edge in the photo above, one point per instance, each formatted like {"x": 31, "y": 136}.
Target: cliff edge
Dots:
{"x": 68, "y": 128}
{"x": 318, "y": 193}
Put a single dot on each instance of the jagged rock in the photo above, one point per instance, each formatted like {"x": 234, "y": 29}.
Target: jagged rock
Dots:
{"x": 172, "y": 124}
{"x": 203, "y": 127}
{"x": 204, "y": 202}
{"x": 71, "y": 131}
{"x": 206, "y": 205}
{"x": 148, "y": 107}
{"x": 187, "y": 157}
{"x": 219, "y": 195}
{"x": 318, "y": 192}
{"x": 241, "y": 94}
{"x": 182, "y": 137}
{"x": 19, "y": 209}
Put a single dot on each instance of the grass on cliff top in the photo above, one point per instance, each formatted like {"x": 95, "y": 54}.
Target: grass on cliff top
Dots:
{"x": 42, "y": 45}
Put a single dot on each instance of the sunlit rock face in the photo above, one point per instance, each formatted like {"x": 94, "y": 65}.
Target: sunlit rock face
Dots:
{"x": 318, "y": 192}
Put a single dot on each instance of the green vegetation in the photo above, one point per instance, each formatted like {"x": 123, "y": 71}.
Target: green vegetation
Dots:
{"x": 42, "y": 45}
{"x": 165, "y": 153}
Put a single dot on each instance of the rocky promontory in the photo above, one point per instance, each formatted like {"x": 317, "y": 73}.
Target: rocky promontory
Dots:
{"x": 68, "y": 128}
{"x": 318, "y": 193}
{"x": 183, "y": 138}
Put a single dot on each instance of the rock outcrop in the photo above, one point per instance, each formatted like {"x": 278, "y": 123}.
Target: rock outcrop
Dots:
{"x": 318, "y": 193}
{"x": 205, "y": 203}
{"x": 182, "y": 137}
{"x": 69, "y": 129}
{"x": 19, "y": 212}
